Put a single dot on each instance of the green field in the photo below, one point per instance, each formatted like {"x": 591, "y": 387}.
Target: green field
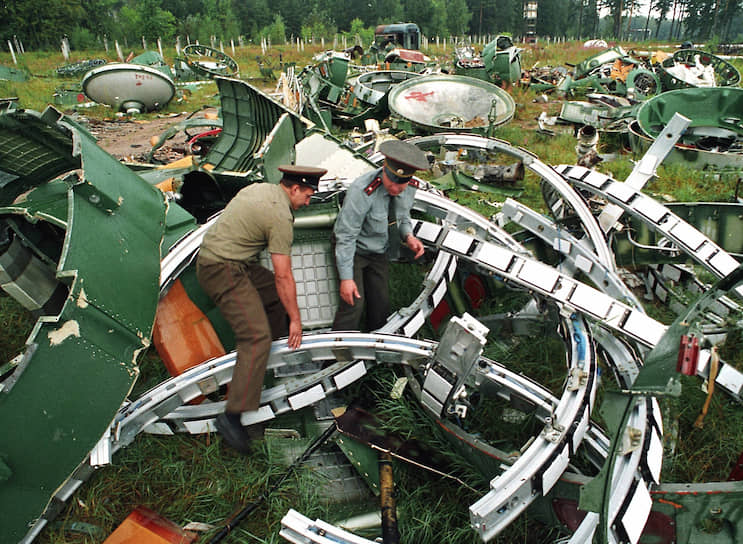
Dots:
{"x": 197, "y": 479}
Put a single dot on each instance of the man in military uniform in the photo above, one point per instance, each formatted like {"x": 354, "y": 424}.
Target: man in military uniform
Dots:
{"x": 372, "y": 203}
{"x": 255, "y": 302}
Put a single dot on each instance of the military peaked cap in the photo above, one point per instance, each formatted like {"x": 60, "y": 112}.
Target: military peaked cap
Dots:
{"x": 403, "y": 159}
{"x": 308, "y": 175}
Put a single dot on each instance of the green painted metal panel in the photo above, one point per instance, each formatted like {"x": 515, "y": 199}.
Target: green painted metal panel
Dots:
{"x": 502, "y": 60}
{"x": 248, "y": 116}
{"x": 594, "y": 495}
{"x": 178, "y": 222}
{"x": 719, "y": 108}
{"x": 278, "y": 149}
{"x": 363, "y": 458}
{"x": 48, "y": 201}
{"x": 599, "y": 59}
{"x": 658, "y": 374}
{"x": 702, "y": 513}
{"x": 12, "y": 74}
{"x": 80, "y": 364}
{"x": 131, "y": 235}
{"x": 31, "y": 153}
{"x": 722, "y": 222}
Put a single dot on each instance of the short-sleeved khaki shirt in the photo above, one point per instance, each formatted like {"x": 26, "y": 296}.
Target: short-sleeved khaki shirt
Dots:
{"x": 258, "y": 217}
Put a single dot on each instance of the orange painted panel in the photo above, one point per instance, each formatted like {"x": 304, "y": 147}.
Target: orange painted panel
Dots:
{"x": 183, "y": 335}
{"x": 143, "y": 526}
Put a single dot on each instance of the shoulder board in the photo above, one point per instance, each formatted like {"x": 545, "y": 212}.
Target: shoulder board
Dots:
{"x": 414, "y": 183}
{"x": 376, "y": 182}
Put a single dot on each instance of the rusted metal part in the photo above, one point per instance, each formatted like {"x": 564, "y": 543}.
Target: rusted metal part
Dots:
{"x": 390, "y": 533}
{"x": 688, "y": 355}
{"x": 364, "y": 427}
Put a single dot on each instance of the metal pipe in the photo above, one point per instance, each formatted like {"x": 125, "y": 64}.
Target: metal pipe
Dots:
{"x": 390, "y": 534}
{"x": 588, "y": 139}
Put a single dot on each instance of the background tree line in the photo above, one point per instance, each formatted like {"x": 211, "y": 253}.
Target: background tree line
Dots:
{"x": 41, "y": 24}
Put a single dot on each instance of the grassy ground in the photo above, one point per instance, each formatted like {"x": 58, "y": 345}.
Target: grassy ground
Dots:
{"x": 187, "y": 478}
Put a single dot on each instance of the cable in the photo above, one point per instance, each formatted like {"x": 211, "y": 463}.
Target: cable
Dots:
{"x": 242, "y": 514}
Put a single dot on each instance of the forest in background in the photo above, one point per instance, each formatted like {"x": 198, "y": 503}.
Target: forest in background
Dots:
{"x": 89, "y": 24}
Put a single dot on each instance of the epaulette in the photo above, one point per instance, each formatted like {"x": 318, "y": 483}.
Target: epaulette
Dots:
{"x": 376, "y": 182}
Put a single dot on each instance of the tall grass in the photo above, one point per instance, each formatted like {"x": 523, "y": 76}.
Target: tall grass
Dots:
{"x": 16, "y": 323}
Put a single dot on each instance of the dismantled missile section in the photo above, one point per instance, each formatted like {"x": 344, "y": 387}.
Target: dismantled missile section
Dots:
{"x": 335, "y": 90}
{"x": 206, "y": 61}
{"x": 141, "y": 84}
{"x": 713, "y": 139}
{"x": 78, "y": 69}
{"x": 695, "y": 68}
{"x": 415, "y": 99}
{"x": 106, "y": 260}
{"x": 395, "y": 47}
{"x": 96, "y": 320}
{"x": 144, "y": 84}
{"x": 499, "y": 62}
{"x": 638, "y": 76}
{"x": 630, "y": 106}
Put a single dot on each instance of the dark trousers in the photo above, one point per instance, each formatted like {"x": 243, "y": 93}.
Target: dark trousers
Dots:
{"x": 246, "y": 295}
{"x": 371, "y": 274}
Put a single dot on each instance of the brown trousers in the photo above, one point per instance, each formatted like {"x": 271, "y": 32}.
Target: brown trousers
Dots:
{"x": 246, "y": 295}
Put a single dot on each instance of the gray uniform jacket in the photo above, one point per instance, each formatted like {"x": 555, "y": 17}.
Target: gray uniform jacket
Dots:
{"x": 363, "y": 221}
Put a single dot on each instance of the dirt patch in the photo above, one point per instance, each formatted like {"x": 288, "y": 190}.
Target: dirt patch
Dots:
{"x": 133, "y": 139}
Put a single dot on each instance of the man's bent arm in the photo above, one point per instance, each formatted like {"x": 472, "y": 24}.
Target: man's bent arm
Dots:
{"x": 287, "y": 290}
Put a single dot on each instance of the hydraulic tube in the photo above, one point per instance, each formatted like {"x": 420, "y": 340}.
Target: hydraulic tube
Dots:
{"x": 390, "y": 534}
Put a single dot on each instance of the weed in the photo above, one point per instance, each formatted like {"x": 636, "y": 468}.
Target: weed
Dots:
{"x": 15, "y": 322}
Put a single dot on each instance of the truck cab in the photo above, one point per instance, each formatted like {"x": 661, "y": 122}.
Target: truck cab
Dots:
{"x": 405, "y": 35}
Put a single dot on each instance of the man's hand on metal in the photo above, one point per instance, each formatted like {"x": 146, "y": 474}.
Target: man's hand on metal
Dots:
{"x": 349, "y": 291}
{"x": 415, "y": 245}
{"x": 295, "y": 334}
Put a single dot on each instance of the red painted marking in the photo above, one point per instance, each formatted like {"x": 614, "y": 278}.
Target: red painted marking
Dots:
{"x": 419, "y": 96}
{"x": 688, "y": 356}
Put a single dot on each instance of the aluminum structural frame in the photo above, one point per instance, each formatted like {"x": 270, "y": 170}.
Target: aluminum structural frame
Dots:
{"x": 659, "y": 218}
{"x": 531, "y": 162}
{"x": 164, "y": 408}
{"x": 300, "y": 529}
{"x": 578, "y": 256}
{"x": 317, "y": 392}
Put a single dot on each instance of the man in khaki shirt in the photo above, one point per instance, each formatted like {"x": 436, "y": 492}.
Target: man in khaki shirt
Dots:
{"x": 255, "y": 302}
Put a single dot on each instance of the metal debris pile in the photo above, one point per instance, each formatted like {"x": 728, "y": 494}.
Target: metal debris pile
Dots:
{"x": 94, "y": 249}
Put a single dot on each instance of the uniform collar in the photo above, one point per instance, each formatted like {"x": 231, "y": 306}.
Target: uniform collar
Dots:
{"x": 286, "y": 199}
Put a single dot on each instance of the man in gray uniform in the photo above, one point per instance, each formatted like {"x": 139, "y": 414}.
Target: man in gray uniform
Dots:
{"x": 254, "y": 301}
{"x": 373, "y": 202}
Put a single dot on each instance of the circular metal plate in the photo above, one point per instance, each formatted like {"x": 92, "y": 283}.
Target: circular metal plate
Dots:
{"x": 455, "y": 103}
{"x": 119, "y": 84}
